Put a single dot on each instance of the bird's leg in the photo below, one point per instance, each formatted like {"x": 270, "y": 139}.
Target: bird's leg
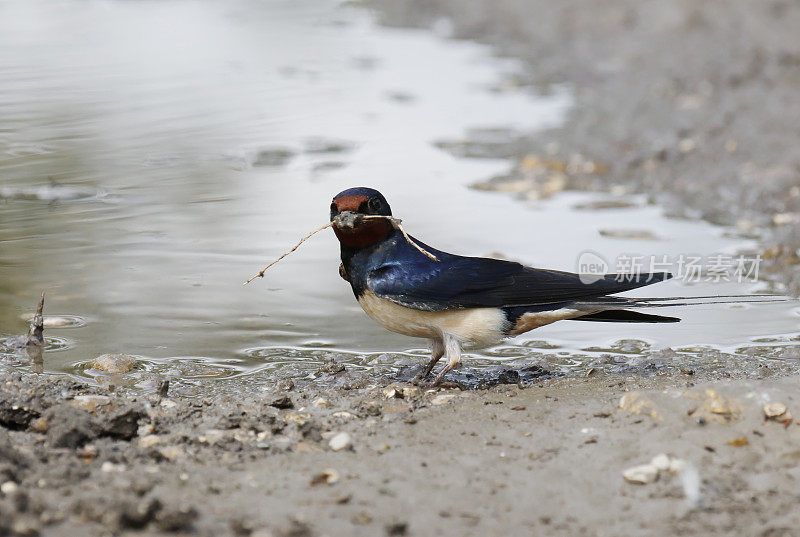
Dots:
{"x": 452, "y": 350}
{"x": 437, "y": 351}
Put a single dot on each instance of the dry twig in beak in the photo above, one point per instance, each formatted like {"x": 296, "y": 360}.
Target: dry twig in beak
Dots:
{"x": 396, "y": 223}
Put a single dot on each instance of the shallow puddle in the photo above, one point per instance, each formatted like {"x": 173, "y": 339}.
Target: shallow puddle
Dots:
{"x": 170, "y": 150}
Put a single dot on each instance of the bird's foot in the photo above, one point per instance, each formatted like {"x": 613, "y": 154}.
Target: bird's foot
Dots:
{"x": 439, "y": 378}
{"x": 427, "y": 371}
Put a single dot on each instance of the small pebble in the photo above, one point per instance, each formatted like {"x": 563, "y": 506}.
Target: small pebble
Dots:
{"x": 9, "y": 487}
{"x": 341, "y": 441}
{"x": 282, "y": 403}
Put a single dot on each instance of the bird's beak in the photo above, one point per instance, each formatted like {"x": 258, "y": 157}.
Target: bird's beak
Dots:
{"x": 347, "y": 220}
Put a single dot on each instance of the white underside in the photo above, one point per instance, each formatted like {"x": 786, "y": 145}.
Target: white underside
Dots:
{"x": 472, "y": 327}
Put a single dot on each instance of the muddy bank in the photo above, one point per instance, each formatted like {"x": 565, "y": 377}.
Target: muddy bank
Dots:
{"x": 391, "y": 459}
{"x": 694, "y": 104}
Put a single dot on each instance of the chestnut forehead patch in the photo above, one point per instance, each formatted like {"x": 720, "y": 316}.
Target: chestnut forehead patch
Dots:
{"x": 349, "y": 203}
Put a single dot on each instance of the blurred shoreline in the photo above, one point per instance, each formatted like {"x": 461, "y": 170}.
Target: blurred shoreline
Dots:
{"x": 695, "y": 104}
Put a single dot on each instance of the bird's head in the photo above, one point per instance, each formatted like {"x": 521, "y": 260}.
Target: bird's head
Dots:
{"x": 348, "y": 210}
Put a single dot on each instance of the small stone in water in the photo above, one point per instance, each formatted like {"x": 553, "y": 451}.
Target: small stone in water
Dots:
{"x": 113, "y": 364}
{"x": 341, "y": 441}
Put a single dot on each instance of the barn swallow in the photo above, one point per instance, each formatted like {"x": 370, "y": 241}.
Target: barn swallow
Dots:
{"x": 457, "y": 301}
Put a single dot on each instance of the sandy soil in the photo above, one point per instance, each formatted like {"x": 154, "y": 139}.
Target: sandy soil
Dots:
{"x": 694, "y": 103}
{"x": 546, "y": 458}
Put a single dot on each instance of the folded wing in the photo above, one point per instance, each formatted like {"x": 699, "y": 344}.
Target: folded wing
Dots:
{"x": 468, "y": 282}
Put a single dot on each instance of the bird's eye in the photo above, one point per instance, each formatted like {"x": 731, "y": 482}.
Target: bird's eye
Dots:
{"x": 374, "y": 204}
{"x": 334, "y": 210}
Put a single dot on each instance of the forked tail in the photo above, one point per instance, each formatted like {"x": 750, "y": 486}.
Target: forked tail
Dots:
{"x": 617, "y": 309}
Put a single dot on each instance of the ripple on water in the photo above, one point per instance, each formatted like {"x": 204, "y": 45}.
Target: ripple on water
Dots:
{"x": 59, "y": 321}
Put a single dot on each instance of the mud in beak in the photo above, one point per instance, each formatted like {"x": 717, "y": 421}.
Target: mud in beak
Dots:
{"x": 347, "y": 220}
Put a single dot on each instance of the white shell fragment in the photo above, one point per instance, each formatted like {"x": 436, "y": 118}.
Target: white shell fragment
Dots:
{"x": 661, "y": 462}
{"x": 340, "y": 441}
{"x": 662, "y": 465}
{"x": 774, "y": 409}
{"x": 641, "y": 475}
